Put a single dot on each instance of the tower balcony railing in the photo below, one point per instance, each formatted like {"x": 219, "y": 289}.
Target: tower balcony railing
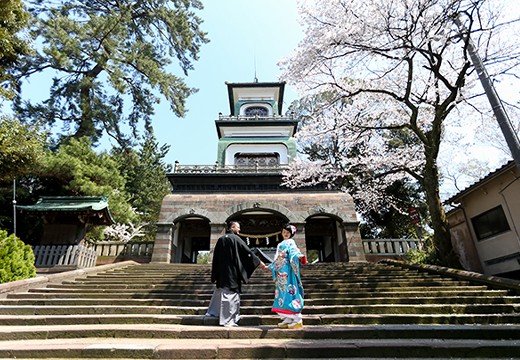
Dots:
{"x": 229, "y": 169}
{"x": 256, "y": 117}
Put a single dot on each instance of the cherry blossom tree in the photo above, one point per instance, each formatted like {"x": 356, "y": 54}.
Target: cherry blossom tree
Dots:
{"x": 385, "y": 78}
{"x": 124, "y": 232}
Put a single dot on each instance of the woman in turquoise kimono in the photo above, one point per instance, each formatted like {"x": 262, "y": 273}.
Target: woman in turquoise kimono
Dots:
{"x": 288, "y": 296}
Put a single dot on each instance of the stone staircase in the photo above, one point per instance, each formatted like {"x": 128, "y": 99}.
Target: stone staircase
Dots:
{"x": 352, "y": 310}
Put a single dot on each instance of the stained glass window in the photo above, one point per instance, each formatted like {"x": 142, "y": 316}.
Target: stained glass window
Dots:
{"x": 257, "y": 111}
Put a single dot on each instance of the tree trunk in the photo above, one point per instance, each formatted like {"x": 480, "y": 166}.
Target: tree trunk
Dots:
{"x": 87, "y": 126}
{"x": 442, "y": 236}
{"x": 86, "y": 123}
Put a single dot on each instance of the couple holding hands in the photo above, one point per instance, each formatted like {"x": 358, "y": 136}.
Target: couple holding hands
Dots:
{"x": 234, "y": 263}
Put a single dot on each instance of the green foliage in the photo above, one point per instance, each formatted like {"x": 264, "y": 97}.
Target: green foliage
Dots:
{"x": 16, "y": 259}
{"x": 77, "y": 170}
{"x": 426, "y": 255}
{"x": 13, "y": 19}
{"x": 21, "y": 147}
{"x": 146, "y": 181}
{"x": 203, "y": 257}
{"x": 106, "y": 52}
{"x": 133, "y": 180}
{"x": 312, "y": 255}
{"x": 389, "y": 222}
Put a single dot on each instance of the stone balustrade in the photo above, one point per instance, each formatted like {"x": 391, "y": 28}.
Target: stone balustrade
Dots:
{"x": 229, "y": 169}
{"x": 77, "y": 256}
{"x": 390, "y": 247}
{"x": 256, "y": 117}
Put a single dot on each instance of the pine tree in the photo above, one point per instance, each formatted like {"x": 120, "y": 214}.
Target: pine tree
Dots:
{"x": 77, "y": 170}
{"x": 146, "y": 181}
{"x": 107, "y": 56}
{"x": 13, "y": 19}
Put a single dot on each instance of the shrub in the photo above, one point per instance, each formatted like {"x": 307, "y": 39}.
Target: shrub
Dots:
{"x": 16, "y": 259}
{"x": 203, "y": 257}
{"x": 426, "y": 255}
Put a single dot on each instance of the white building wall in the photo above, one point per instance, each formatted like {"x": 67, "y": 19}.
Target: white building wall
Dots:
{"x": 233, "y": 149}
{"x": 497, "y": 253}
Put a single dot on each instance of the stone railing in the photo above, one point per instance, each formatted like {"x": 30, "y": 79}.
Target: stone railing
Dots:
{"x": 78, "y": 256}
{"x": 130, "y": 249}
{"x": 256, "y": 117}
{"x": 390, "y": 247}
{"x": 228, "y": 169}
{"x": 84, "y": 256}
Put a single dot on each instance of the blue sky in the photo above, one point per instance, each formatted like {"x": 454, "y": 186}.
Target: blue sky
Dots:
{"x": 241, "y": 32}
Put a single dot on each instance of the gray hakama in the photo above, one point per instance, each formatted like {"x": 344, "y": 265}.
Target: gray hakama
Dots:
{"x": 233, "y": 264}
{"x": 225, "y": 305}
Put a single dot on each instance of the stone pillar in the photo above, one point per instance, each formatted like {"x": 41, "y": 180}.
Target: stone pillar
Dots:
{"x": 353, "y": 242}
{"x": 175, "y": 244}
{"x": 162, "y": 247}
{"x": 299, "y": 238}
{"x": 217, "y": 230}
{"x": 341, "y": 244}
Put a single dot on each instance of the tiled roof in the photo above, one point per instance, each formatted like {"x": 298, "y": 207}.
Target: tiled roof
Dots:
{"x": 45, "y": 204}
{"x": 485, "y": 179}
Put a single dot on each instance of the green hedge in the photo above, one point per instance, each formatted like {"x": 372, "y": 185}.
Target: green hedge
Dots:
{"x": 16, "y": 259}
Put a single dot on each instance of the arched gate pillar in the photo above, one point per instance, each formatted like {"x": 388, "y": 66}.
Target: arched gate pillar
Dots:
{"x": 299, "y": 238}
{"x": 216, "y": 231}
{"x": 162, "y": 248}
{"x": 353, "y": 242}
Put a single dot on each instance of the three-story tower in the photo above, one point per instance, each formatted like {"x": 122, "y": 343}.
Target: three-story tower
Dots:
{"x": 255, "y": 144}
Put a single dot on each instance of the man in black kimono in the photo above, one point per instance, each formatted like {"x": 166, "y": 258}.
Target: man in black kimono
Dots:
{"x": 233, "y": 264}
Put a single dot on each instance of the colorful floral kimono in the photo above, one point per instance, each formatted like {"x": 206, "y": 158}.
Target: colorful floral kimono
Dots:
{"x": 288, "y": 296}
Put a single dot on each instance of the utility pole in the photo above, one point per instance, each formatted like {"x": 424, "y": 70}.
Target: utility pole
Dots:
{"x": 496, "y": 104}
{"x": 14, "y": 206}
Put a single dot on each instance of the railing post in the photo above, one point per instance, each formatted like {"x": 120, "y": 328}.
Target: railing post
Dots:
{"x": 389, "y": 247}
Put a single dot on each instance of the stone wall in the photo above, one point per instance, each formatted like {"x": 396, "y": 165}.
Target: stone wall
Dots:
{"x": 297, "y": 207}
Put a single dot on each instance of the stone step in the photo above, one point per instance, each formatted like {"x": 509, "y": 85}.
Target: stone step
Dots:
{"x": 309, "y": 273}
{"x": 172, "y": 331}
{"x": 397, "y": 285}
{"x": 264, "y": 301}
{"x": 476, "y": 320}
{"x": 388, "y": 292}
{"x": 310, "y": 278}
{"x": 352, "y": 310}
{"x": 262, "y": 281}
{"x": 307, "y": 284}
{"x": 260, "y": 348}
{"x": 311, "y": 310}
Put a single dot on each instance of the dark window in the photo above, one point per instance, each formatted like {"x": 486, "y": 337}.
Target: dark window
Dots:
{"x": 490, "y": 223}
{"x": 257, "y": 111}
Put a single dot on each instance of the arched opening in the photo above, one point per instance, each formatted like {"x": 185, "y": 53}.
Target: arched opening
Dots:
{"x": 261, "y": 229}
{"x": 256, "y": 111}
{"x": 193, "y": 238}
{"x": 322, "y": 239}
